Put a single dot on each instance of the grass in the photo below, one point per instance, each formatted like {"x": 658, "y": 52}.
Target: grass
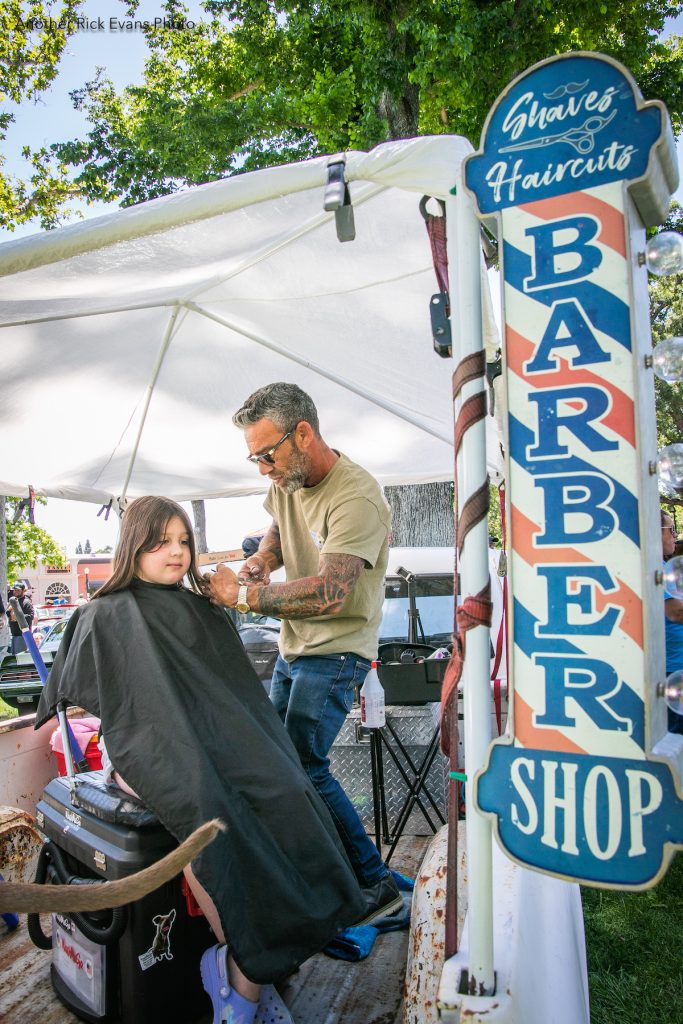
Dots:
{"x": 635, "y": 952}
{"x": 6, "y": 711}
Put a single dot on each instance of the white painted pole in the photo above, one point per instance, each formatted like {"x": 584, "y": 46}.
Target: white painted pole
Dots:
{"x": 464, "y": 262}
{"x": 161, "y": 355}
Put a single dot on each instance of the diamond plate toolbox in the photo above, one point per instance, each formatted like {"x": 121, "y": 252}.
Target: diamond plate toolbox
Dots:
{"x": 350, "y": 764}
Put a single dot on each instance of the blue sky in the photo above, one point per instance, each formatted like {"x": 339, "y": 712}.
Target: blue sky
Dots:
{"x": 52, "y": 118}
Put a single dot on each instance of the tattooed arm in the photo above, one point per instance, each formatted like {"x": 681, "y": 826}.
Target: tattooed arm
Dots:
{"x": 323, "y": 594}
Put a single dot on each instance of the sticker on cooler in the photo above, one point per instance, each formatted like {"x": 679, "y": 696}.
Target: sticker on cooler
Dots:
{"x": 161, "y": 944}
{"x": 79, "y": 962}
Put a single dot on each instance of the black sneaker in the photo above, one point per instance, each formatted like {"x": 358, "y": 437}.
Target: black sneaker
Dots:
{"x": 382, "y": 898}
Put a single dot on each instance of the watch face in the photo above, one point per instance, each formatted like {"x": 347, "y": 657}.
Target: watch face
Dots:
{"x": 242, "y": 608}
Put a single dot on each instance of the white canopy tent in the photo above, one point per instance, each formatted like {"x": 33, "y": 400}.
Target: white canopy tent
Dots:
{"x": 126, "y": 342}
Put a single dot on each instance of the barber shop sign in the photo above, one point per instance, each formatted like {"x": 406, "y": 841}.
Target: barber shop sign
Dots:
{"x": 573, "y": 165}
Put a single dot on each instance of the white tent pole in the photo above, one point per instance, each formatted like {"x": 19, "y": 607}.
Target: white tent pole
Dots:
{"x": 320, "y": 219}
{"x": 102, "y": 311}
{"x": 465, "y": 278}
{"x": 369, "y": 394}
{"x": 148, "y": 396}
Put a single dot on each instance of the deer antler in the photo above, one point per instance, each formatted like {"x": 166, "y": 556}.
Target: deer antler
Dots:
{"x": 30, "y": 897}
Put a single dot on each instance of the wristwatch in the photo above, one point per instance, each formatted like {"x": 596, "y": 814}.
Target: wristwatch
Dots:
{"x": 242, "y": 603}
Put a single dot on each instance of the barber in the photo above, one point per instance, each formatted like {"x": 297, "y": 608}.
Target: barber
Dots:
{"x": 330, "y": 529}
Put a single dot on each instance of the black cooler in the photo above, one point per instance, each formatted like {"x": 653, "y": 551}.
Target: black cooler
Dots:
{"x": 144, "y": 967}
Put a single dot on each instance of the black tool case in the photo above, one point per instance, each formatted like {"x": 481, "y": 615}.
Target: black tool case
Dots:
{"x": 150, "y": 972}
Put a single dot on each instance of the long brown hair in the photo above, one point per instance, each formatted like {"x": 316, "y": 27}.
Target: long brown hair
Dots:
{"x": 142, "y": 528}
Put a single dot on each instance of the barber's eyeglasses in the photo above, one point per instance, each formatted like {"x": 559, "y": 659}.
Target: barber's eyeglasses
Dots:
{"x": 267, "y": 457}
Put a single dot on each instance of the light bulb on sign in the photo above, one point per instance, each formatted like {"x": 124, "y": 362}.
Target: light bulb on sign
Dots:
{"x": 673, "y": 577}
{"x": 673, "y": 691}
{"x": 670, "y": 466}
{"x": 664, "y": 253}
{"x": 667, "y": 359}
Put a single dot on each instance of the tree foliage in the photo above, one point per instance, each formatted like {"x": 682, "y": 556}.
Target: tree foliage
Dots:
{"x": 264, "y": 83}
{"x": 33, "y": 35}
{"x": 27, "y": 543}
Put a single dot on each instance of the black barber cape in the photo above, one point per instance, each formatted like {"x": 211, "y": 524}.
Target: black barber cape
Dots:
{"x": 190, "y": 728}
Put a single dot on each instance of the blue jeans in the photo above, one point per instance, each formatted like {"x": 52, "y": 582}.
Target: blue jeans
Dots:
{"x": 313, "y": 696}
{"x": 18, "y": 644}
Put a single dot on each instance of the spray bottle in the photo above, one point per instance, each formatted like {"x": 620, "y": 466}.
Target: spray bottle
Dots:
{"x": 372, "y": 714}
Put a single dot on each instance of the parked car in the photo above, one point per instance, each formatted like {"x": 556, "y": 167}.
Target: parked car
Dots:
{"x": 20, "y": 684}
{"x": 45, "y": 617}
{"x": 41, "y": 629}
{"x": 52, "y": 638}
{"x": 44, "y": 612}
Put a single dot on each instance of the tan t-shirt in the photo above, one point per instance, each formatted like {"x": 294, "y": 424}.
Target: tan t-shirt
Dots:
{"x": 344, "y": 514}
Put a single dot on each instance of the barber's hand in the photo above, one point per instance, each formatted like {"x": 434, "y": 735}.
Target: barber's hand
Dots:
{"x": 254, "y": 570}
{"x": 224, "y": 585}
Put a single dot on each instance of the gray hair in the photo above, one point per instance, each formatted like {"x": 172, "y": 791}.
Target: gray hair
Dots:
{"x": 285, "y": 404}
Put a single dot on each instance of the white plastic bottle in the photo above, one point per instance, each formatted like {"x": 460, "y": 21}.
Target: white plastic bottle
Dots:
{"x": 372, "y": 714}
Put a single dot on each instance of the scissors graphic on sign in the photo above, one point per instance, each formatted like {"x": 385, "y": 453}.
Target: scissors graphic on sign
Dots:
{"x": 582, "y": 139}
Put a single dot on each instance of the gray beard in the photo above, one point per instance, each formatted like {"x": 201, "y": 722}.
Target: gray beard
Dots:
{"x": 294, "y": 482}
{"x": 297, "y": 473}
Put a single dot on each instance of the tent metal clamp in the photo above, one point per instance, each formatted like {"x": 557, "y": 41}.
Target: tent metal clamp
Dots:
{"x": 338, "y": 198}
{"x": 441, "y": 325}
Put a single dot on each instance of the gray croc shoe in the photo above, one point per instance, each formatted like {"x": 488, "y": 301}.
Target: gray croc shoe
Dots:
{"x": 271, "y": 1008}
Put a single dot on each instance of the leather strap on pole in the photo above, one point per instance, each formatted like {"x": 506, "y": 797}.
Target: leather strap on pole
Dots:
{"x": 436, "y": 229}
{"x": 474, "y": 611}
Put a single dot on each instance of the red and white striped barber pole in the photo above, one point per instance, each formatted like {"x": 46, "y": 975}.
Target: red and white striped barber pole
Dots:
{"x": 574, "y": 165}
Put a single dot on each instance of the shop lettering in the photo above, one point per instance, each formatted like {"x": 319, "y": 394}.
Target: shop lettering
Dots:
{"x": 559, "y": 803}
{"x": 602, "y": 819}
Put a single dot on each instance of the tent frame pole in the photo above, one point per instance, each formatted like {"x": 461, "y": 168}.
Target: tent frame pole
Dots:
{"x": 465, "y": 282}
{"x": 166, "y": 341}
{"x": 370, "y": 394}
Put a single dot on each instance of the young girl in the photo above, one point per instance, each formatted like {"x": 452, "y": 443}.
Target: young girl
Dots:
{"x": 190, "y": 729}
